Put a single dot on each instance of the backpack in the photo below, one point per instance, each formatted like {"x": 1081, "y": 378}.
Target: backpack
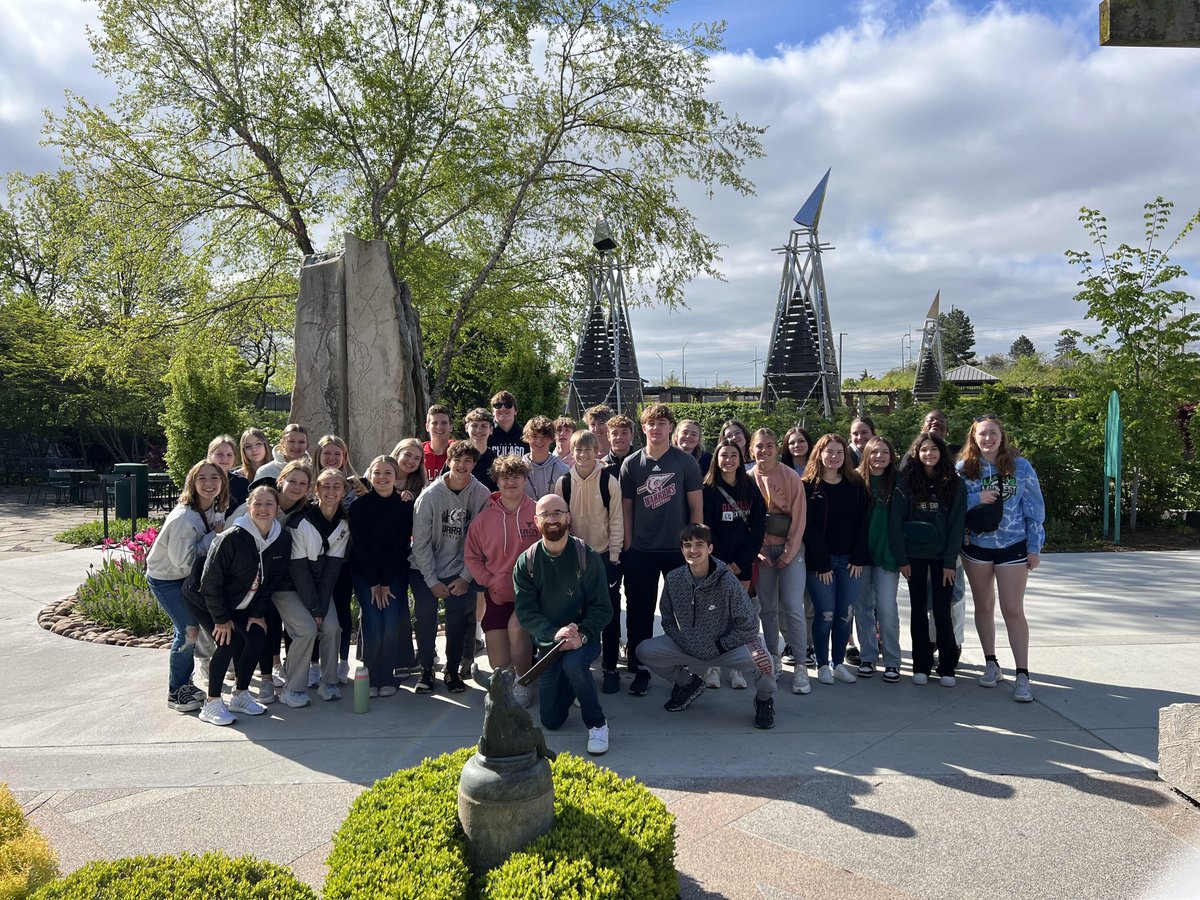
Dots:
{"x": 581, "y": 550}
{"x": 564, "y": 482}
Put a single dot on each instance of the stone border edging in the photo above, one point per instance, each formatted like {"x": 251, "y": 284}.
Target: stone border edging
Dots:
{"x": 61, "y": 619}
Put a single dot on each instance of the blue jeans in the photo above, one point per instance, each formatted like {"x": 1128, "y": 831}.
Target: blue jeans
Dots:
{"x": 182, "y": 660}
{"x": 385, "y": 633}
{"x": 832, "y": 606}
{"x": 877, "y": 604}
{"x": 568, "y": 677}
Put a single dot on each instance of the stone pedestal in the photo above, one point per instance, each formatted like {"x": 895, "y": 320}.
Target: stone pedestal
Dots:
{"x": 1179, "y": 747}
{"x": 503, "y": 804}
{"x": 359, "y": 357}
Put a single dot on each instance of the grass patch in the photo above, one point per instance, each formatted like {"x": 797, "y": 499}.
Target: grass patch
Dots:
{"x": 91, "y": 534}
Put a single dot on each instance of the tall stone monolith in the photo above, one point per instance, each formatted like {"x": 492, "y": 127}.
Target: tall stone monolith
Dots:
{"x": 360, "y": 369}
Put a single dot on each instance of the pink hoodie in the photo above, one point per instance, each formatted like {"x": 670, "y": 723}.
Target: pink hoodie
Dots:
{"x": 495, "y": 539}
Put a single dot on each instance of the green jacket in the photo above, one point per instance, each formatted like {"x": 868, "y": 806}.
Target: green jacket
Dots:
{"x": 558, "y": 593}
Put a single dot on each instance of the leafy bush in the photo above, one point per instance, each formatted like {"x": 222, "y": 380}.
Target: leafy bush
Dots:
{"x": 27, "y": 861}
{"x": 118, "y": 595}
{"x": 208, "y": 384}
{"x": 91, "y": 534}
{"x": 611, "y": 838}
{"x": 182, "y": 877}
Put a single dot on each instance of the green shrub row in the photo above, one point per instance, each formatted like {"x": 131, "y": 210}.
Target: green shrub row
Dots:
{"x": 402, "y": 839}
{"x": 91, "y": 534}
{"x": 27, "y": 861}
{"x": 117, "y": 595}
{"x": 182, "y": 877}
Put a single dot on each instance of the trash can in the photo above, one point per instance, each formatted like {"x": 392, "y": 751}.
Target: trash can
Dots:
{"x": 140, "y": 472}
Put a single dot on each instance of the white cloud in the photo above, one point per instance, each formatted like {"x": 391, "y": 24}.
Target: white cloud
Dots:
{"x": 962, "y": 147}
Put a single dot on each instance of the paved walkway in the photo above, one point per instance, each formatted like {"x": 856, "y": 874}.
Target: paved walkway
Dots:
{"x": 861, "y": 790}
{"x": 30, "y": 528}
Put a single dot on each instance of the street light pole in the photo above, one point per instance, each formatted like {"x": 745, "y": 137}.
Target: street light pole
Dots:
{"x": 683, "y": 362}
{"x": 662, "y": 372}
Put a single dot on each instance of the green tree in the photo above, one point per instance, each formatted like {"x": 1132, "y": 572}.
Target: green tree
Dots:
{"x": 1141, "y": 349}
{"x": 1065, "y": 347}
{"x": 958, "y": 338}
{"x": 480, "y": 140}
{"x": 209, "y": 386}
{"x": 1022, "y": 347}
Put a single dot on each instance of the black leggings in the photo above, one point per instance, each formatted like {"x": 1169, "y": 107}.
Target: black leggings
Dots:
{"x": 244, "y": 649}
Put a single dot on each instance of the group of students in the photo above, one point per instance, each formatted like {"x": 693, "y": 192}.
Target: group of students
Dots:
{"x": 814, "y": 535}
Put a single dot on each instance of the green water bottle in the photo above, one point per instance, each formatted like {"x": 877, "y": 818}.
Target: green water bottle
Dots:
{"x": 362, "y": 689}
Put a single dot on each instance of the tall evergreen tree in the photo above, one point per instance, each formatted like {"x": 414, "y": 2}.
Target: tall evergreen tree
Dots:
{"x": 958, "y": 338}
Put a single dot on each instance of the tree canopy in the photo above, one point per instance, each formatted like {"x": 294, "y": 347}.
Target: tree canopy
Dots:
{"x": 958, "y": 338}
{"x": 480, "y": 140}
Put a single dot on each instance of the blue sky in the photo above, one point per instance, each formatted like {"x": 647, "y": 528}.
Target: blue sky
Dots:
{"x": 963, "y": 138}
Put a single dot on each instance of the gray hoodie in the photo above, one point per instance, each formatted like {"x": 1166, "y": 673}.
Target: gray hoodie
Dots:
{"x": 544, "y": 476}
{"x": 440, "y": 521}
{"x": 185, "y": 536}
{"x": 709, "y": 617}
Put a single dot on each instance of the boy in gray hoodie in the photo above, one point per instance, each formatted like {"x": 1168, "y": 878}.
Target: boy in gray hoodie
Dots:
{"x": 438, "y": 572}
{"x": 708, "y": 620}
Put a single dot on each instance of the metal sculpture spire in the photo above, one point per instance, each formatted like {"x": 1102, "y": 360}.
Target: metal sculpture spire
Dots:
{"x": 802, "y": 362}
{"x": 605, "y": 369}
{"x": 931, "y": 366}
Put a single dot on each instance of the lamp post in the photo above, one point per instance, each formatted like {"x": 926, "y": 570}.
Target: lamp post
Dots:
{"x": 662, "y": 372}
{"x": 683, "y": 362}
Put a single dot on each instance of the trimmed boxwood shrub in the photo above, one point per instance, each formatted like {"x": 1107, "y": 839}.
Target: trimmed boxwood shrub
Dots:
{"x": 182, "y": 877}
{"x": 27, "y": 861}
{"x": 402, "y": 839}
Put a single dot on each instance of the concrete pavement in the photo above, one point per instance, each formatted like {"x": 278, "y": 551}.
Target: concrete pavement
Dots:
{"x": 861, "y": 790}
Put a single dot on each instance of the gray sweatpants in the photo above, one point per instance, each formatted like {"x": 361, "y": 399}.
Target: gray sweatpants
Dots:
{"x": 305, "y": 633}
{"x": 662, "y": 656}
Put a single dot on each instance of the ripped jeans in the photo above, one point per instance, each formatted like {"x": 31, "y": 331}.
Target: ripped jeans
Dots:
{"x": 832, "y": 604}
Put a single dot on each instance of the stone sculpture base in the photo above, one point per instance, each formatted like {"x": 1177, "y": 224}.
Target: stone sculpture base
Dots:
{"x": 360, "y": 369}
{"x": 1179, "y": 748}
{"x": 503, "y": 804}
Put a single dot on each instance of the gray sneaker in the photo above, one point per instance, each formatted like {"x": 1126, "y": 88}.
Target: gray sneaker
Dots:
{"x": 186, "y": 699}
{"x": 215, "y": 713}
{"x": 992, "y": 675}
{"x": 1021, "y": 691}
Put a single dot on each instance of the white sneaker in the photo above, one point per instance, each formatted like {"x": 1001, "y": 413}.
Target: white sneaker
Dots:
{"x": 314, "y": 675}
{"x": 843, "y": 674}
{"x": 215, "y": 713}
{"x": 344, "y": 672}
{"x": 947, "y": 681}
{"x": 598, "y": 740}
{"x": 241, "y": 701}
{"x": 825, "y": 675}
{"x": 737, "y": 680}
{"x": 294, "y": 699}
{"x": 277, "y": 677}
{"x": 329, "y": 692}
{"x": 920, "y": 678}
{"x": 1021, "y": 689}
{"x": 388, "y": 690}
{"x": 523, "y": 695}
{"x": 266, "y": 692}
{"x": 712, "y": 678}
{"x": 800, "y": 682}
{"x": 992, "y": 675}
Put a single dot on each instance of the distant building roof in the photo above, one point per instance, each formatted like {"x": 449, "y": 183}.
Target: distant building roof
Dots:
{"x": 969, "y": 375}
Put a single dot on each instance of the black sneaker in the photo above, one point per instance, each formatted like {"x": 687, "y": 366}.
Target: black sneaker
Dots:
{"x": 810, "y": 658}
{"x": 685, "y": 695}
{"x": 454, "y": 683}
{"x": 891, "y": 674}
{"x": 612, "y": 682}
{"x": 788, "y": 658}
{"x": 764, "y": 713}
{"x": 464, "y": 669}
{"x": 186, "y": 699}
{"x": 853, "y": 656}
{"x": 641, "y": 683}
{"x": 425, "y": 682}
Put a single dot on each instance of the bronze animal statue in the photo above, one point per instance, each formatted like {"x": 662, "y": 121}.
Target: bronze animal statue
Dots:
{"x": 508, "y": 729}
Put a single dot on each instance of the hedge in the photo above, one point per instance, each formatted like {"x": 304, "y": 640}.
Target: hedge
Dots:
{"x": 27, "y": 861}
{"x": 182, "y": 877}
{"x": 402, "y": 839}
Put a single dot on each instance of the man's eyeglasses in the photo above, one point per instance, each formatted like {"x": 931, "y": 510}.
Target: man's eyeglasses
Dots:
{"x": 503, "y": 405}
{"x": 555, "y": 514}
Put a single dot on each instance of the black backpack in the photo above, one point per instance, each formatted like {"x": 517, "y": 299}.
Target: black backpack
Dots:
{"x": 581, "y": 550}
